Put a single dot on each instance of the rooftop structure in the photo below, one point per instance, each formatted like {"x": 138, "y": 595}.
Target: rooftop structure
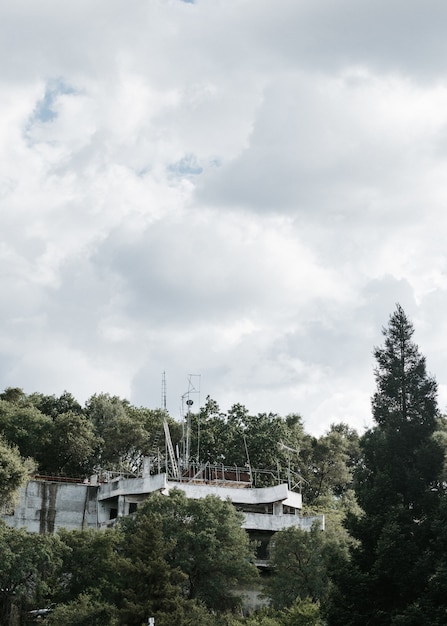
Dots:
{"x": 267, "y": 501}
{"x": 48, "y": 503}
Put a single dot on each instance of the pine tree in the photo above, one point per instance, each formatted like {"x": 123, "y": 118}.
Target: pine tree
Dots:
{"x": 402, "y": 462}
{"x": 397, "y": 486}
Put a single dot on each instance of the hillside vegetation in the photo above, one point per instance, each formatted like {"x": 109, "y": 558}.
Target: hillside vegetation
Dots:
{"x": 381, "y": 561}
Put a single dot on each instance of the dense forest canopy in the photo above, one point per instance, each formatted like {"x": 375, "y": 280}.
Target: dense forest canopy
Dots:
{"x": 382, "y": 559}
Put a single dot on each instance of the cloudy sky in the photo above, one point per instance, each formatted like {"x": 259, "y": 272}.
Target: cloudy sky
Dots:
{"x": 236, "y": 189}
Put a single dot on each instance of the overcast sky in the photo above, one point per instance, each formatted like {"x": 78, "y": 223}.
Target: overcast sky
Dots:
{"x": 237, "y": 189}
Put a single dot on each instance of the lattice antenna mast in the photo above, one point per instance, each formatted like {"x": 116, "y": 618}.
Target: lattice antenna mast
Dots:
{"x": 163, "y": 391}
{"x": 170, "y": 448}
{"x": 175, "y": 468}
{"x": 193, "y": 388}
{"x": 296, "y": 451}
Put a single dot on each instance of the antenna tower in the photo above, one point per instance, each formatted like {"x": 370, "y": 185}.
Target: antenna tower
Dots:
{"x": 193, "y": 388}
{"x": 163, "y": 391}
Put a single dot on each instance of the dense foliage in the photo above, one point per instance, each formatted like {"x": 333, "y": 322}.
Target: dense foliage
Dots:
{"x": 14, "y": 472}
{"x": 28, "y": 567}
{"x": 64, "y": 438}
{"x": 302, "y": 561}
{"x": 322, "y": 467}
{"x": 176, "y": 559}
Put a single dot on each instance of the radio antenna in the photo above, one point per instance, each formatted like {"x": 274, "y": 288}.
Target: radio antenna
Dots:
{"x": 163, "y": 391}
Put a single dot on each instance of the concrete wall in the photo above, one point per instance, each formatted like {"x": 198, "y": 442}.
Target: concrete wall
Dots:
{"x": 277, "y": 493}
{"x": 45, "y": 506}
{"x": 159, "y": 482}
{"x": 273, "y": 523}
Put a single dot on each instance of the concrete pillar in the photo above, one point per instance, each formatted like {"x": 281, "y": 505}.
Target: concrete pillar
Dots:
{"x": 146, "y": 466}
{"x": 277, "y": 508}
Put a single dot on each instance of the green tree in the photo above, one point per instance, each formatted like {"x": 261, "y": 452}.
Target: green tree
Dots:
{"x": 216, "y": 437}
{"x": 14, "y": 471}
{"x": 28, "y": 563}
{"x": 104, "y": 411}
{"x": 301, "y": 564}
{"x": 86, "y": 610}
{"x": 304, "y": 612}
{"x": 15, "y": 395}
{"x": 433, "y": 602}
{"x": 60, "y": 443}
{"x": 123, "y": 576}
{"x": 327, "y": 465}
{"x": 151, "y": 583}
{"x": 88, "y": 565}
{"x": 236, "y": 437}
{"x": 205, "y": 542}
{"x": 24, "y": 426}
{"x": 124, "y": 433}
{"x": 51, "y": 430}
{"x": 266, "y": 434}
{"x": 53, "y": 405}
{"x": 398, "y": 488}
{"x": 71, "y": 446}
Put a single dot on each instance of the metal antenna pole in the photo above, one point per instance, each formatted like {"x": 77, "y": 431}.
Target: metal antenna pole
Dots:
{"x": 186, "y": 422}
{"x": 248, "y": 460}
{"x": 163, "y": 391}
{"x": 175, "y": 469}
{"x": 289, "y": 450}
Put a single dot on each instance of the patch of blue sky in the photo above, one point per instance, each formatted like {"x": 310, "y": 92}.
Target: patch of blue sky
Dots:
{"x": 215, "y": 162}
{"x": 187, "y": 166}
{"x": 44, "y": 111}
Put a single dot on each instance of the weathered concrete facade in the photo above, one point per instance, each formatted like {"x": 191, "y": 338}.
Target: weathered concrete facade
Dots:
{"x": 46, "y": 505}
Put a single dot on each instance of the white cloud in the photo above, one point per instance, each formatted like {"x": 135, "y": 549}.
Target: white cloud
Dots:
{"x": 220, "y": 188}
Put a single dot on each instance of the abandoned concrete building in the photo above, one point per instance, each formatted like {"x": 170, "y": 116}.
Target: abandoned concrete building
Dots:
{"x": 46, "y": 504}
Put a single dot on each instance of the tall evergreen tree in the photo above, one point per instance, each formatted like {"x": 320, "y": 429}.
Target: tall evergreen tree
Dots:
{"x": 398, "y": 488}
